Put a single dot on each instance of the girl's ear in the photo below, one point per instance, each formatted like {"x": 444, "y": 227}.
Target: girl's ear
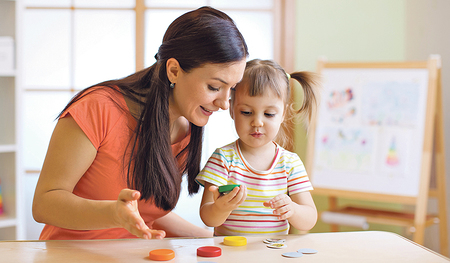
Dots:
{"x": 173, "y": 70}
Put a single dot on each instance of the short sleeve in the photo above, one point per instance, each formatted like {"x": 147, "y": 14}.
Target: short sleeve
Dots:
{"x": 96, "y": 113}
{"x": 298, "y": 180}
{"x": 215, "y": 171}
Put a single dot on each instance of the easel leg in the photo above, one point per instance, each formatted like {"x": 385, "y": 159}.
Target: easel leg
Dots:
{"x": 332, "y": 204}
{"x": 429, "y": 149}
{"x": 443, "y": 231}
{"x": 419, "y": 220}
{"x": 440, "y": 172}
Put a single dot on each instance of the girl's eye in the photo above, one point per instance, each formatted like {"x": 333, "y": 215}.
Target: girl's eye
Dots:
{"x": 212, "y": 88}
{"x": 246, "y": 113}
{"x": 270, "y": 115}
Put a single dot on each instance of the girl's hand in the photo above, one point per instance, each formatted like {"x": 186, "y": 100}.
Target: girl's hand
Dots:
{"x": 127, "y": 216}
{"x": 231, "y": 200}
{"x": 282, "y": 205}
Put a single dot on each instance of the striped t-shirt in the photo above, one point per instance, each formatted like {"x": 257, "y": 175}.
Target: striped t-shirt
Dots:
{"x": 286, "y": 175}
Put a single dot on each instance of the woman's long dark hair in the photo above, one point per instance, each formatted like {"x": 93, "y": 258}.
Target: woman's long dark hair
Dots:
{"x": 205, "y": 35}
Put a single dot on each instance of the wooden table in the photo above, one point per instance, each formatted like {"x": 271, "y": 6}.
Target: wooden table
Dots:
{"x": 369, "y": 246}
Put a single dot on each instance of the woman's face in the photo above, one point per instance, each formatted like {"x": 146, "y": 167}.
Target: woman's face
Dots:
{"x": 202, "y": 91}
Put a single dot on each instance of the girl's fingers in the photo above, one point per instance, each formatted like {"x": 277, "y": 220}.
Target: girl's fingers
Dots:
{"x": 283, "y": 209}
{"x": 215, "y": 190}
{"x": 283, "y": 212}
{"x": 231, "y": 200}
{"x": 232, "y": 195}
{"x": 238, "y": 195}
{"x": 280, "y": 200}
{"x": 244, "y": 193}
{"x": 285, "y": 215}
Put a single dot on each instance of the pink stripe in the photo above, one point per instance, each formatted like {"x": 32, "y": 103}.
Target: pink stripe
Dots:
{"x": 269, "y": 227}
{"x": 265, "y": 185}
{"x": 260, "y": 221}
{"x": 301, "y": 188}
{"x": 218, "y": 171}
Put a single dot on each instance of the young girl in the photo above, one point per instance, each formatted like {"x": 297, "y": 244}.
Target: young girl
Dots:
{"x": 274, "y": 187}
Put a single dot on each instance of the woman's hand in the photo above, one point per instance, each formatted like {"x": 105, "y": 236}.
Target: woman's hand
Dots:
{"x": 230, "y": 201}
{"x": 282, "y": 206}
{"x": 127, "y": 216}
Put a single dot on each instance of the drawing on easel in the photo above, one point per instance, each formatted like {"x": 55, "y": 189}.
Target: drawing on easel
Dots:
{"x": 390, "y": 116}
{"x": 392, "y": 156}
{"x": 345, "y": 149}
{"x": 394, "y": 153}
{"x": 390, "y": 103}
{"x": 340, "y": 105}
{"x": 369, "y": 130}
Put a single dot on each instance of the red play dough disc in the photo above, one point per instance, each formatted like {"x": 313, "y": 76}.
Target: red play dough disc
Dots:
{"x": 161, "y": 254}
{"x": 209, "y": 251}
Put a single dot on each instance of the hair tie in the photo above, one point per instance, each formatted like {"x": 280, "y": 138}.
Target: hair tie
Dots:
{"x": 288, "y": 76}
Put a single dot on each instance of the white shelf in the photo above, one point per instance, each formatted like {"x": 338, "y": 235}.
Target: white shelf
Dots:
{"x": 8, "y": 73}
{"x": 7, "y": 148}
{"x": 11, "y": 221}
{"x": 7, "y": 221}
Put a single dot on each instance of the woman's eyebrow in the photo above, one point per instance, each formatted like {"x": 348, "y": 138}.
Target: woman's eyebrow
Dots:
{"x": 221, "y": 80}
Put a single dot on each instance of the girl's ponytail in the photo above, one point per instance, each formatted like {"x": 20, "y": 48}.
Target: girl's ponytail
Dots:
{"x": 310, "y": 82}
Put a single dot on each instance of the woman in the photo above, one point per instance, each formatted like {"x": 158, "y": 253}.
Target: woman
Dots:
{"x": 116, "y": 157}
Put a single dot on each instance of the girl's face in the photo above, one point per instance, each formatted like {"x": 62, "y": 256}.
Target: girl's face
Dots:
{"x": 257, "y": 119}
{"x": 204, "y": 90}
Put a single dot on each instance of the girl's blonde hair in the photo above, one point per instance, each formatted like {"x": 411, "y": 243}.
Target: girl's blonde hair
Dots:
{"x": 262, "y": 75}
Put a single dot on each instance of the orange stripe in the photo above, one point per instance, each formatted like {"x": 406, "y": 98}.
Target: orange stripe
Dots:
{"x": 301, "y": 177}
{"x": 242, "y": 158}
{"x": 240, "y": 155}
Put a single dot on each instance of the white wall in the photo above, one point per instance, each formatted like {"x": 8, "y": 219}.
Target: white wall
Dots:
{"x": 427, "y": 32}
{"x": 382, "y": 30}
{"x": 347, "y": 30}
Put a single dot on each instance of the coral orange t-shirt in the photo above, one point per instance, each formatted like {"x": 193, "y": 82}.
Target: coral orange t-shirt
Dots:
{"x": 101, "y": 116}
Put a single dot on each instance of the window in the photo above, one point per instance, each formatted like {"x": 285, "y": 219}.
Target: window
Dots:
{"x": 71, "y": 44}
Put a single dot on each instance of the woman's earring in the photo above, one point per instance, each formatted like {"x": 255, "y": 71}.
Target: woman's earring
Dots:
{"x": 172, "y": 85}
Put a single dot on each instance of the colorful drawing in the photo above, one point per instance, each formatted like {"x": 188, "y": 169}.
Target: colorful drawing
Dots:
{"x": 390, "y": 103}
{"x": 339, "y": 99}
{"x": 369, "y": 132}
{"x": 392, "y": 156}
{"x": 345, "y": 149}
{"x": 340, "y": 105}
{"x": 394, "y": 151}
